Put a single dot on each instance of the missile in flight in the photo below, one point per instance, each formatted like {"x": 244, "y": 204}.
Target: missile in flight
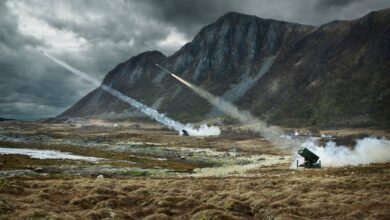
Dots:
{"x": 176, "y": 77}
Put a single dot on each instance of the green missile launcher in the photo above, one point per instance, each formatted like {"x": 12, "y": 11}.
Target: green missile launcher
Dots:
{"x": 311, "y": 159}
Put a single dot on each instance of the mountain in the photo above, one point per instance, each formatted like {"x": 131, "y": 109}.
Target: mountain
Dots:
{"x": 337, "y": 74}
{"x": 6, "y": 119}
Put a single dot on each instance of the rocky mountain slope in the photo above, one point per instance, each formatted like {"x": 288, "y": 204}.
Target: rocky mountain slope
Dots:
{"x": 337, "y": 74}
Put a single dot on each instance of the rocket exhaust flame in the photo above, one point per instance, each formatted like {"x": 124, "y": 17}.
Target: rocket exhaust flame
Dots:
{"x": 178, "y": 78}
{"x": 183, "y": 81}
{"x": 204, "y": 130}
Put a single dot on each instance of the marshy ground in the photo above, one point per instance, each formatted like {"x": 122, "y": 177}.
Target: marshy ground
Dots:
{"x": 147, "y": 172}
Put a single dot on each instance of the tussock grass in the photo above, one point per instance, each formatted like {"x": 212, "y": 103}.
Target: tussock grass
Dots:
{"x": 337, "y": 193}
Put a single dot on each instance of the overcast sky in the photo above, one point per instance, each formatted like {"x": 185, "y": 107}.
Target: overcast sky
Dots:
{"x": 96, "y": 35}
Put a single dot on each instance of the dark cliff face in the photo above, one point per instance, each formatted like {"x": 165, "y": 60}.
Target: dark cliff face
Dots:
{"x": 338, "y": 75}
{"x": 290, "y": 74}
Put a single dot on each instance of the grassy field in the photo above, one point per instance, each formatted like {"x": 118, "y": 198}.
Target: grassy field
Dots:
{"x": 149, "y": 172}
{"x": 343, "y": 193}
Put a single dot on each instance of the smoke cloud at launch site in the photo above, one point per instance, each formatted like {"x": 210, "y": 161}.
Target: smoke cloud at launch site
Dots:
{"x": 367, "y": 150}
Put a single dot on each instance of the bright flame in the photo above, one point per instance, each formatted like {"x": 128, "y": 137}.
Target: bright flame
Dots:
{"x": 182, "y": 80}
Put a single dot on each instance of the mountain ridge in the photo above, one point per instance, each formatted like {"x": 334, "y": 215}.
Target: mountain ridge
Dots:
{"x": 286, "y": 73}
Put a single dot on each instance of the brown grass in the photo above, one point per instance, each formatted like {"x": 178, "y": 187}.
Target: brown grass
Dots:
{"x": 273, "y": 192}
{"x": 343, "y": 193}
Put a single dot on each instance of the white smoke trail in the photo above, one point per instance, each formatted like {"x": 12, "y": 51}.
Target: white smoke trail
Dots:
{"x": 366, "y": 151}
{"x": 204, "y": 130}
{"x": 73, "y": 70}
{"x": 272, "y": 133}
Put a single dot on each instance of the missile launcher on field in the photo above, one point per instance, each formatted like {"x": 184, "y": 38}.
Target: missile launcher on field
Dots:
{"x": 311, "y": 159}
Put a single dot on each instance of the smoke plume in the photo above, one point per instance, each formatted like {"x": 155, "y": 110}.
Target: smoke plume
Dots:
{"x": 204, "y": 130}
{"x": 367, "y": 150}
{"x": 272, "y": 133}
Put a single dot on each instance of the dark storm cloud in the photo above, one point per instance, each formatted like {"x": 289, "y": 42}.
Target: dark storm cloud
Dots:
{"x": 189, "y": 16}
{"x": 32, "y": 88}
{"x": 336, "y": 3}
{"x": 27, "y": 87}
{"x": 114, "y": 30}
{"x": 110, "y": 32}
{"x": 109, "y": 21}
{"x": 9, "y": 34}
{"x": 330, "y": 10}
